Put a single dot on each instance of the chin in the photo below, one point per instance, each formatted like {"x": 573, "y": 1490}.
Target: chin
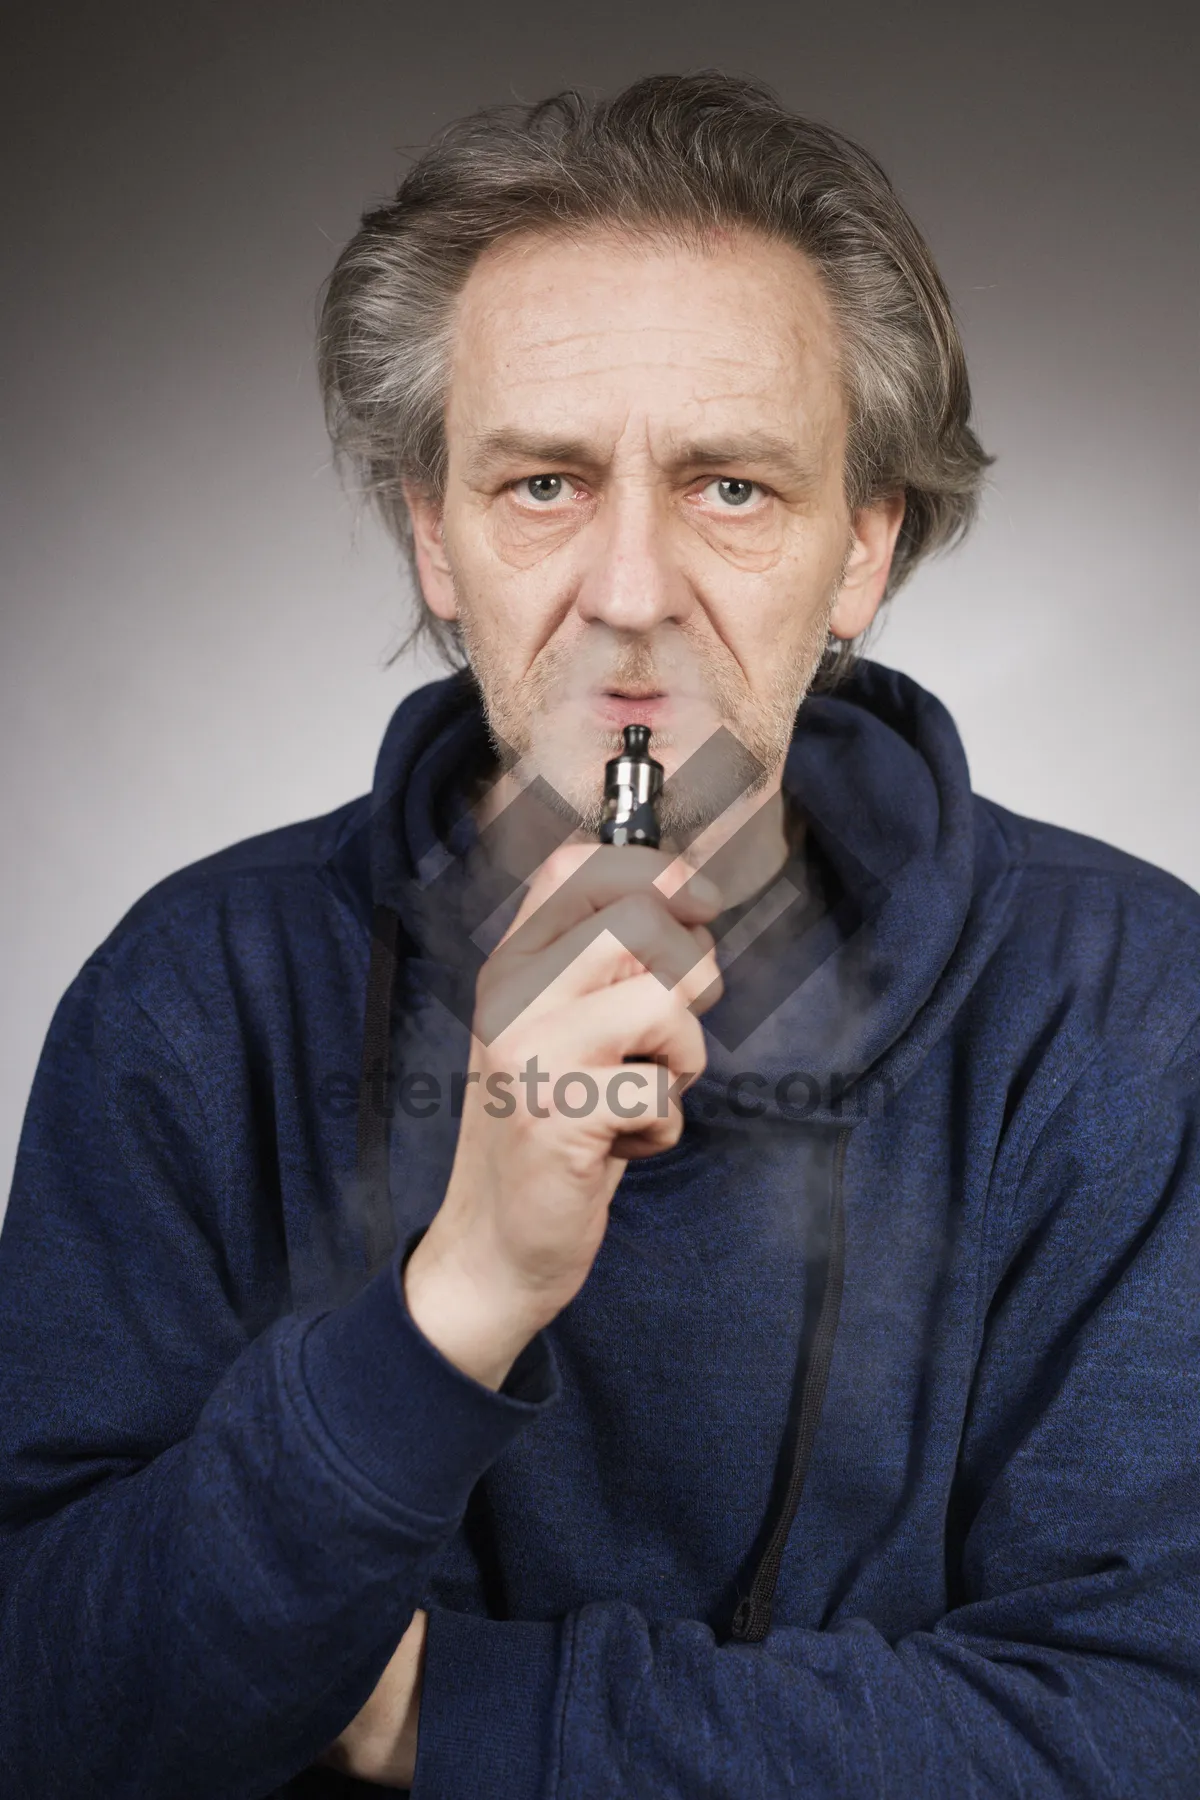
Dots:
{"x": 574, "y": 784}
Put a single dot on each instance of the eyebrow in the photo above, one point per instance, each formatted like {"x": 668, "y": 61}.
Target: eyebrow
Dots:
{"x": 753, "y": 447}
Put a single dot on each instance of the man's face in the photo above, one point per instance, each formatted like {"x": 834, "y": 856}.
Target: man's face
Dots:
{"x": 643, "y": 517}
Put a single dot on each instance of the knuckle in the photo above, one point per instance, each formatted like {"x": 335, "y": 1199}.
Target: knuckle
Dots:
{"x": 577, "y": 1158}
{"x": 661, "y": 1003}
{"x": 639, "y": 918}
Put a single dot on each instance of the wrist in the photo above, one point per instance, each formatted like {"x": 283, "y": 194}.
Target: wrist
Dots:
{"x": 482, "y": 1339}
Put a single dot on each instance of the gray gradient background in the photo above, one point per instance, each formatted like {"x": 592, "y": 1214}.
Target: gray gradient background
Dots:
{"x": 192, "y": 636}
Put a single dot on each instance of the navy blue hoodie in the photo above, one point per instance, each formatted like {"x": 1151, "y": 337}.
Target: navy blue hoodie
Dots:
{"x": 866, "y": 1461}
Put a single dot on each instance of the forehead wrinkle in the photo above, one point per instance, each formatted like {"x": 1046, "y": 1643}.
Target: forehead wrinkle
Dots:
{"x": 580, "y": 369}
{"x": 529, "y": 341}
{"x": 758, "y": 392}
{"x": 720, "y": 374}
{"x": 640, "y": 330}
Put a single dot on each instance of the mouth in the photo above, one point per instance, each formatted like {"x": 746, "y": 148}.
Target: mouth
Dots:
{"x": 627, "y": 706}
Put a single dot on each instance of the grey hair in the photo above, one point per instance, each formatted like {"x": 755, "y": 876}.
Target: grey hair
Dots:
{"x": 677, "y": 156}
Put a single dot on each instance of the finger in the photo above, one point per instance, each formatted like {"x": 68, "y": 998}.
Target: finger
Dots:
{"x": 685, "y": 966}
{"x": 642, "y": 1107}
{"x": 636, "y": 1018}
{"x": 581, "y": 879}
{"x": 638, "y": 1104}
{"x": 633, "y": 934}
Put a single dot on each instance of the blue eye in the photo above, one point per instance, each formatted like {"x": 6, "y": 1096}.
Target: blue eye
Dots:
{"x": 543, "y": 487}
{"x": 735, "y": 491}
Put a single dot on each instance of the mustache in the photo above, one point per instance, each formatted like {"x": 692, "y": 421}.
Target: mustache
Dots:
{"x": 694, "y": 673}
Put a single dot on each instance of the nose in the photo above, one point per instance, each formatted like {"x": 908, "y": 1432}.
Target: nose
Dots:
{"x": 631, "y": 583}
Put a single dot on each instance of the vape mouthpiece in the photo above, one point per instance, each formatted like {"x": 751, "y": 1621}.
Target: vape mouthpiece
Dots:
{"x": 632, "y": 784}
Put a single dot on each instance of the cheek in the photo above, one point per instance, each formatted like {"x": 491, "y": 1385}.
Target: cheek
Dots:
{"x": 757, "y": 593}
{"x": 770, "y": 619}
{"x": 506, "y": 608}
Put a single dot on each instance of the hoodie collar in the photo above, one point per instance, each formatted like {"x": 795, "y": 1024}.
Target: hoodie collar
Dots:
{"x": 840, "y": 980}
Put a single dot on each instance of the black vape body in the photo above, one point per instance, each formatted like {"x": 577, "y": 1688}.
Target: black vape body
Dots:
{"x": 632, "y": 784}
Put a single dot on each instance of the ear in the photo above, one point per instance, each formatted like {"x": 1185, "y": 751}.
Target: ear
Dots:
{"x": 875, "y": 530}
{"x": 433, "y": 567}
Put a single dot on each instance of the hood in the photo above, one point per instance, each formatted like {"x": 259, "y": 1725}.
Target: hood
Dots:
{"x": 839, "y": 978}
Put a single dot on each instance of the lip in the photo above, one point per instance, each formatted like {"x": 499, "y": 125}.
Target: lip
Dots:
{"x": 623, "y": 709}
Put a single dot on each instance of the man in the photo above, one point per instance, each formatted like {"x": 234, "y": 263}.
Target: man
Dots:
{"x": 432, "y": 1355}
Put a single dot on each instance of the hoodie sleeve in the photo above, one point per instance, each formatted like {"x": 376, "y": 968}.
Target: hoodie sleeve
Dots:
{"x": 1069, "y": 1663}
{"x": 214, "y": 1528}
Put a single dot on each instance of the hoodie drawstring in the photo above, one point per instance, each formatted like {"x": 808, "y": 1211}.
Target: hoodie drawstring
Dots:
{"x": 752, "y": 1617}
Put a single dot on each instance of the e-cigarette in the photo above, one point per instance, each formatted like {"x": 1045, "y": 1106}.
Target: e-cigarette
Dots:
{"x": 632, "y": 784}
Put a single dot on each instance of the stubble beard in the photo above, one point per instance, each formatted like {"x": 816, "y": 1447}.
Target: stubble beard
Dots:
{"x": 536, "y": 731}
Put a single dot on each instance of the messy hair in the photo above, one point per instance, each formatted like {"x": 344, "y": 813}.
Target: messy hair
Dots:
{"x": 675, "y": 156}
